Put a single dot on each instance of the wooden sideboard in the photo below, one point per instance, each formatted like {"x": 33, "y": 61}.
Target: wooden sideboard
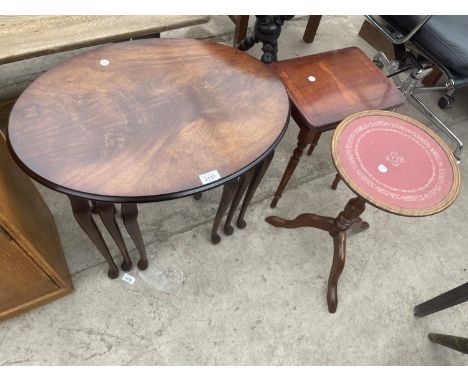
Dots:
{"x": 32, "y": 264}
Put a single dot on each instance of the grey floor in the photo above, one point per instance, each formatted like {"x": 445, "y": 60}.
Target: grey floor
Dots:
{"x": 259, "y": 296}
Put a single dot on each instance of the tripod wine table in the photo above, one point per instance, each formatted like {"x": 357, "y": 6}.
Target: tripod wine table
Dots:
{"x": 390, "y": 161}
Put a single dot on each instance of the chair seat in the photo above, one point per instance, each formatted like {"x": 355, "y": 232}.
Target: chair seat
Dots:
{"x": 327, "y": 87}
{"x": 443, "y": 37}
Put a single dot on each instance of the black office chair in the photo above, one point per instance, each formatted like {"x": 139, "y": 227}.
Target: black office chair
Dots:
{"x": 420, "y": 44}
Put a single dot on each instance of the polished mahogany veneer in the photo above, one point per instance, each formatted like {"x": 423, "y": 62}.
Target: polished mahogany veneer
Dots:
{"x": 328, "y": 87}
{"x": 150, "y": 120}
{"x": 324, "y": 89}
{"x": 141, "y": 120}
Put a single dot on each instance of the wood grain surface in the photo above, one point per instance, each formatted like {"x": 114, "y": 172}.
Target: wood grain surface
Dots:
{"x": 145, "y": 126}
{"x": 31, "y": 255}
{"x": 22, "y": 280}
{"x": 24, "y": 37}
{"x": 345, "y": 81}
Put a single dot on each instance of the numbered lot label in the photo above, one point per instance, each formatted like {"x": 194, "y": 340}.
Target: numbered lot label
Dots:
{"x": 209, "y": 177}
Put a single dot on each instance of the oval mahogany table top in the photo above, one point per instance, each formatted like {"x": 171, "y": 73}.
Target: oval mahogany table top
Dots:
{"x": 396, "y": 163}
{"x": 139, "y": 121}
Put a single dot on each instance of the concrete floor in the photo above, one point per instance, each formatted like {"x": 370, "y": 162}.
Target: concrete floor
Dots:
{"x": 259, "y": 297}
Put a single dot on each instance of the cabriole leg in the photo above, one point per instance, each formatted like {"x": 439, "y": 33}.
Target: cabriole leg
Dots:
{"x": 244, "y": 183}
{"x": 129, "y": 217}
{"x": 229, "y": 190}
{"x": 107, "y": 213}
{"x": 82, "y": 212}
{"x": 349, "y": 216}
{"x": 256, "y": 179}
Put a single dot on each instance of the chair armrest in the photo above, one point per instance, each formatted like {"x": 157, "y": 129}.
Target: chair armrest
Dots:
{"x": 393, "y": 39}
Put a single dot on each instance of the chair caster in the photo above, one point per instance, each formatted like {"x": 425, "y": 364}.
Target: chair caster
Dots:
{"x": 446, "y": 101}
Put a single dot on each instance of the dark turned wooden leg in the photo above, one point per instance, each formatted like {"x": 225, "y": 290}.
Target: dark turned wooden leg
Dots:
{"x": 229, "y": 191}
{"x": 343, "y": 222}
{"x": 94, "y": 209}
{"x": 445, "y": 300}
{"x": 130, "y": 219}
{"x": 311, "y": 28}
{"x": 82, "y": 212}
{"x": 107, "y": 214}
{"x": 304, "y": 138}
{"x": 267, "y": 29}
{"x": 198, "y": 196}
{"x": 336, "y": 181}
{"x": 256, "y": 179}
{"x": 244, "y": 182}
{"x": 456, "y": 343}
{"x": 270, "y": 52}
{"x": 247, "y": 43}
{"x": 314, "y": 142}
{"x": 242, "y": 23}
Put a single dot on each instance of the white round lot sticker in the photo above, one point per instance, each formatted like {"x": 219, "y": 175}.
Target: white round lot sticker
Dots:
{"x": 382, "y": 168}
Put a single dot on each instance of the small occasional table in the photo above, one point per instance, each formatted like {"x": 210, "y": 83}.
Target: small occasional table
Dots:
{"x": 147, "y": 121}
{"x": 388, "y": 160}
{"x": 324, "y": 89}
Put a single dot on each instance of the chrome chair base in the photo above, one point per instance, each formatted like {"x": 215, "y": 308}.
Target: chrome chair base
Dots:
{"x": 409, "y": 87}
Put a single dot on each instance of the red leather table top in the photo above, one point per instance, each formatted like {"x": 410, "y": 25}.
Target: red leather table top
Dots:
{"x": 395, "y": 163}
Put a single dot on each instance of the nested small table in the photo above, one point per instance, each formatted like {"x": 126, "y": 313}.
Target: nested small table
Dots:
{"x": 394, "y": 163}
{"x": 324, "y": 89}
{"x": 146, "y": 121}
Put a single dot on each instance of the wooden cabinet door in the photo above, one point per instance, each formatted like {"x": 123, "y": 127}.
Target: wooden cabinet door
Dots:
{"x": 21, "y": 280}
{"x": 32, "y": 265}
